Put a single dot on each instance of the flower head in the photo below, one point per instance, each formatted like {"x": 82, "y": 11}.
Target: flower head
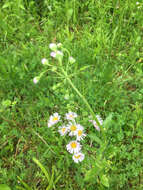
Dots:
{"x": 95, "y": 124}
{"x": 35, "y": 80}
{"x": 72, "y": 128}
{"x": 59, "y": 54}
{"x": 53, "y": 46}
{"x": 55, "y": 118}
{"x": 71, "y": 59}
{"x": 73, "y": 147}
{"x": 53, "y": 54}
{"x": 44, "y": 61}
{"x": 59, "y": 45}
{"x": 71, "y": 115}
{"x": 63, "y": 130}
{"x": 78, "y": 157}
{"x": 80, "y": 133}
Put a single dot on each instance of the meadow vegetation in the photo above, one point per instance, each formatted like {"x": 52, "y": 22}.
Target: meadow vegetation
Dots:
{"x": 105, "y": 37}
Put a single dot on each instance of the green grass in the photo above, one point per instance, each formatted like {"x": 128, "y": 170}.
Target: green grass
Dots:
{"x": 107, "y": 37}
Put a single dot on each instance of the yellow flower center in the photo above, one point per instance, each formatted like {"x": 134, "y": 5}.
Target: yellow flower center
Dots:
{"x": 73, "y": 128}
{"x": 55, "y": 118}
{"x": 63, "y": 130}
{"x": 73, "y": 144}
{"x": 78, "y": 156}
{"x": 79, "y": 132}
{"x": 71, "y": 116}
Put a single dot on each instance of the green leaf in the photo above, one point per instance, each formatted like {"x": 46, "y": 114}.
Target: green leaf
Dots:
{"x": 4, "y": 187}
{"x": 24, "y": 184}
{"x": 104, "y": 181}
{"x": 6, "y": 5}
{"x": 95, "y": 138}
{"x": 91, "y": 174}
{"x": 69, "y": 14}
{"x": 42, "y": 168}
{"x": 107, "y": 121}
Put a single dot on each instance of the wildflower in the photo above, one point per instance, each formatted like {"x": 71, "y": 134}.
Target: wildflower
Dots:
{"x": 59, "y": 55}
{"x": 137, "y": 3}
{"x": 59, "y": 45}
{"x": 53, "y": 46}
{"x": 63, "y": 130}
{"x": 80, "y": 133}
{"x": 44, "y": 61}
{"x": 71, "y": 115}
{"x": 79, "y": 157}
{"x": 36, "y": 80}
{"x": 71, "y": 60}
{"x": 55, "y": 118}
{"x": 73, "y": 147}
{"x": 95, "y": 124}
{"x": 72, "y": 128}
{"x": 53, "y": 54}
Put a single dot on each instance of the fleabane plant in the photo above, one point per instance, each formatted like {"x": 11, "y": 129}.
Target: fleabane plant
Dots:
{"x": 63, "y": 61}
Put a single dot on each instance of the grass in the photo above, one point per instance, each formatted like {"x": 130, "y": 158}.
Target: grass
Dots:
{"x": 104, "y": 36}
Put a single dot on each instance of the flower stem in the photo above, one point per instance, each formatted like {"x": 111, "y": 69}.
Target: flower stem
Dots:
{"x": 82, "y": 97}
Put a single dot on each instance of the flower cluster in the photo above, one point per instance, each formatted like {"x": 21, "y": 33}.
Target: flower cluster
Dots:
{"x": 55, "y": 52}
{"x": 73, "y": 129}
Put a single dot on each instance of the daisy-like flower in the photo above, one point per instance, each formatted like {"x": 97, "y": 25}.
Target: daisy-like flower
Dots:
{"x": 72, "y": 128}
{"x": 59, "y": 54}
{"x": 79, "y": 157}
{"x": 55, "y": 118}
{"x": 63, "y": 130}
{"x": 80, "y": 133}
{"x": 53, "y": 54}
{"x": 53, "y": 46}
{"x": 95, "y": 124}
{"x": 73, "y": 147}
{"x": 71, "y": 115}
{"x": 44, "y": 61}
{"x": 35, "y": 80}
{"x": 59, "y": 45}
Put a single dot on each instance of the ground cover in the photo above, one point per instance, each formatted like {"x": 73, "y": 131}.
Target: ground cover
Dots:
{"x": 105, "y": 38}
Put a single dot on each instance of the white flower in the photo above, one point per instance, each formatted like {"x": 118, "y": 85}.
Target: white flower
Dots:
{"x": 63, "y": 130}
{"x": 72, "y": 128}
{"x": 95, "y": 124}
{"x": 59, "y": 54}
{"x": 35, "y": 80}
{"x": 73, "y": 147}
{"x": 59, "y": 45}
{"x": 79, "y": 157}
{"x": 44, "y": 61}
{"x": 55, "y": 118}
{"x": 71, "y": 60}
{"x": 137, "y": 3}
{"x": 53, "y": 46}
{"x": 53, "y": 54}
{"x": 80, "y": 133}
{"x": 71, "y": 115}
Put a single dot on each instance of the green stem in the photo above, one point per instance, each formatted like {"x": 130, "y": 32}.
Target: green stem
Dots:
{"x": 82, "y": 97}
